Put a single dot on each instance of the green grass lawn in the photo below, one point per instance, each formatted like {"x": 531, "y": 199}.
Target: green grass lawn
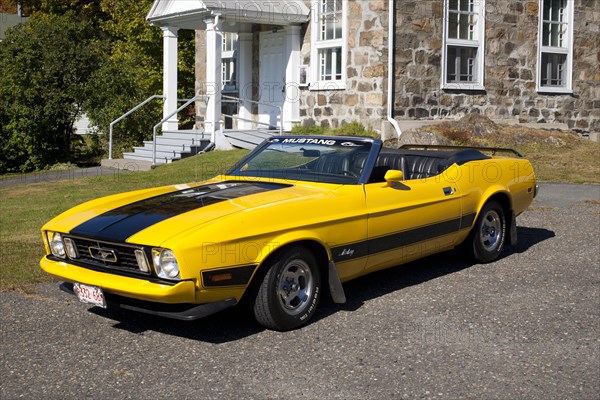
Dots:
{"x": 25, "y": 208}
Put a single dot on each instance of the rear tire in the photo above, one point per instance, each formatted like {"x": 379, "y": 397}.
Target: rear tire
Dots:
{"x": 489, "y": 234}
{"x": 289, "y": 293}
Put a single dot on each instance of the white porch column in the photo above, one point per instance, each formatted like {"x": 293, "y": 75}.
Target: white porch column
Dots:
{"x": 245, "y": 78}
{"x": 214, "y": 84}
{"x": 170, "y": 77}
{"x": 291, "y": 106}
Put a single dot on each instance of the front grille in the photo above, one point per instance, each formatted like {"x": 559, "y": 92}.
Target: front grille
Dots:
{"x": 88, "y": 252}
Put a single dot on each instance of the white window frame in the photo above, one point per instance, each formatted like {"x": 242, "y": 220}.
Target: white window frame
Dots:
{"x": 317, "y": 44}
{"x": 229, "y": 57}
{"x": 567, "y": 51}
{"x": 477, "y": 43}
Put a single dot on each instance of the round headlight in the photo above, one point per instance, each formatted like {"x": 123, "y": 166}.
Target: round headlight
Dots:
{"x": 165, "y": 263}
{"x": 56, "y": 244}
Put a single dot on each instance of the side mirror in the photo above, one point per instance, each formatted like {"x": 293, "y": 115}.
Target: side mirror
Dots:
{"x": 393, "y": 176}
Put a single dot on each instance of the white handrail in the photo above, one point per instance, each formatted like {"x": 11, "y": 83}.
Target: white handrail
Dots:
{"x": 110, "y": 129}
{"x": 165, "y": 119}
{"x": 239, "y": 100}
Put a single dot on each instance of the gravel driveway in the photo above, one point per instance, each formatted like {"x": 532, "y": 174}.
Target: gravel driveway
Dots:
{"x": 526, "y": 326}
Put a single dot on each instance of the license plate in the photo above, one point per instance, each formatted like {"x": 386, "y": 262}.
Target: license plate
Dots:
{"x": 89, "y": 294}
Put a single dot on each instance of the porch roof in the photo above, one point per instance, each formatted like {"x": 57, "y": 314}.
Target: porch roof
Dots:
{"x": 190, "y": 14}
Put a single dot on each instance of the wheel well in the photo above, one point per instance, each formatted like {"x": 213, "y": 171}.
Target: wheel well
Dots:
{"x": 315, "y": 247}
{"x": 504, "y": 201}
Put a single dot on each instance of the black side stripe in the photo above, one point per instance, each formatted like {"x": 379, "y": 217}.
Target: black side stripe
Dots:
{"x": 396, "y": 240}
{"x": 119, "y": 224}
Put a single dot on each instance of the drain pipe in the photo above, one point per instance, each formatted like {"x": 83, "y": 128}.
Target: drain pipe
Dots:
{"x": 390, "y": 89}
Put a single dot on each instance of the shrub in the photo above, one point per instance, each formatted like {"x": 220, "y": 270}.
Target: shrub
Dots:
{"x": 45, "y": 66}
{"x": 353, "y": 128}
{"x": 307, "y": 130}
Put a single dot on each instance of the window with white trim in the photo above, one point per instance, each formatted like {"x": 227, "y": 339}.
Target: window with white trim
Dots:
{"x": 463, "y": 53}
{"x": 328, "y": 50}
{"x": 229, "y": 61}
{"x": 555, "y": 46}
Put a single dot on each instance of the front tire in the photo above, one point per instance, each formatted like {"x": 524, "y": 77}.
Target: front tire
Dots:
{"x": 489, "y": 234}
{"x": 289, "y": 293}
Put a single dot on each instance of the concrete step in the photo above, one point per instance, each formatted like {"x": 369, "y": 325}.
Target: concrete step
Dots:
{"x": 190, "y": 141}
{"x": 196, "y": 135}
{"x": 147, "y": 151}
{"x": 148, "y": 158}
{"x": 180, "y": 147}
{"x": 175, "y": 145}
{"x": 248, "y": 139}
{"x": 164, "y": 150}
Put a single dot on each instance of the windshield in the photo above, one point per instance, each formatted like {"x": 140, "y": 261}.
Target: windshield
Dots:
{"x": 313, "y": 159}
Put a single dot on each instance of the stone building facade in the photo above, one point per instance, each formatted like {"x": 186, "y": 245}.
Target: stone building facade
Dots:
{"x": 364, "y": 96}
{"x": 511, "y": 58}
{"x": 510, "y": 68}
{"x": 535, "y": 61}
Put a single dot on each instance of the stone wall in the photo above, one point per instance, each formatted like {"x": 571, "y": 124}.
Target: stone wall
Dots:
{"x": 510, "y": 66}
{"x": 583, "y": 111}
{"x": 364, "y": 98}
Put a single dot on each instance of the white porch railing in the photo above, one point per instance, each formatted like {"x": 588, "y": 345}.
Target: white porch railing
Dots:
{"x": 110, "y": 130}
{"x": 187, "y": 103}
{"x": 142, "y": 104}
{"x": 165, "y": 119}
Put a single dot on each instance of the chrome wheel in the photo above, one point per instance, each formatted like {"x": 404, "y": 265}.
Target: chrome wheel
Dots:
{"x": 289, "y": 292}
{"x": 491, "y": 231}
{"x": 295, "y": 287}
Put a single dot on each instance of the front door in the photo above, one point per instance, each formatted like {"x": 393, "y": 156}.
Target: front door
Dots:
{"x": 410, "y": 220}
{"x": 272, "y": 77}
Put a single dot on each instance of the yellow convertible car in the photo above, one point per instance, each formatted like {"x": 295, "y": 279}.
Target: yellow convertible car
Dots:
{"x": 289, "y": 222}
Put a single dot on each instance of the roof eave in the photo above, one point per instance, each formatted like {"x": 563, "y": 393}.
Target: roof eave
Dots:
{"x": 272, "y": 18}
{"x": 168, "y": 19}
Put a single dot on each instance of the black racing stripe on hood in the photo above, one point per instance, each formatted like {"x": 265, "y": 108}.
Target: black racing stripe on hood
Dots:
{"x": 123, "y": 222}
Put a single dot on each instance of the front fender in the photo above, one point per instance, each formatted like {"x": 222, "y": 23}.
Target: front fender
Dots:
{"x": 290, "y": 238}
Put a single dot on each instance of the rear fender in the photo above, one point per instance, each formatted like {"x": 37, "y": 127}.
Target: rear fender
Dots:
{"x": 502, "y": 196}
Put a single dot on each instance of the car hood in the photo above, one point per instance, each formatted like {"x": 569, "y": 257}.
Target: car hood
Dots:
{"x": 158, "y": 217}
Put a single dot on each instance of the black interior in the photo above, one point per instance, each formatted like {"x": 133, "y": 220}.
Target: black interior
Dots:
{"x": 414, "y": 164}
{"x": 419, "y": 164}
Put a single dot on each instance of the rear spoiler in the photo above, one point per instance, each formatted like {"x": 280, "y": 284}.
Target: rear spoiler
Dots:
{"x": 494, "y": 150}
